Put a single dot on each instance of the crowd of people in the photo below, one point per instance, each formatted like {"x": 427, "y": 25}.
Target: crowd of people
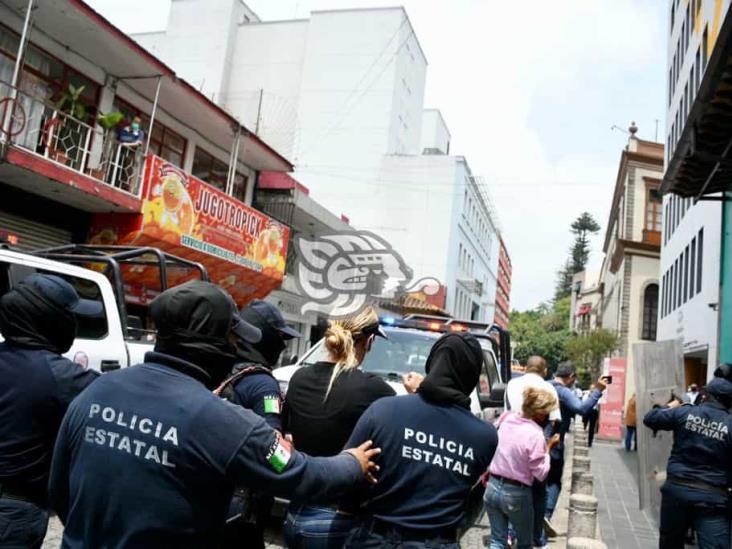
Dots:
{"x": 189, "y": 448}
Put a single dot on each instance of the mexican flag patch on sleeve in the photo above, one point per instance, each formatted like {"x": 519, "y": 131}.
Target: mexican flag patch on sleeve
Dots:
{"x": 272, "y": 404}
{"x": 279, "y": 454}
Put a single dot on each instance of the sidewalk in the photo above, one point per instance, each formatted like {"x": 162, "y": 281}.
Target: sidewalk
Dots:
{"x": 622, "y": 524}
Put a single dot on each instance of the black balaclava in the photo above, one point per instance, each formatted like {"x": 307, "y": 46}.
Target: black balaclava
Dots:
{"x": 194, "y": 321}
{"x": 30, "y": 319}
{"x": 720, "y": 389}
{"x": 267, "y": 351}
{"x": 453, "y": 368}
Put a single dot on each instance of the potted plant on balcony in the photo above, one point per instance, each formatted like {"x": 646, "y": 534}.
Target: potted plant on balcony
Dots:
{"x": 108, "y": 121}
{"x": 70, "y": 104}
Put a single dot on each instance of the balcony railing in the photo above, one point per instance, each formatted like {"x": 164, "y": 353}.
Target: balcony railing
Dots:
{"x": 37, "y": 126}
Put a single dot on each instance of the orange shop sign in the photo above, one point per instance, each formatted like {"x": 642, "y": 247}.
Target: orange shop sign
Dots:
{"x": 242, "y": 249}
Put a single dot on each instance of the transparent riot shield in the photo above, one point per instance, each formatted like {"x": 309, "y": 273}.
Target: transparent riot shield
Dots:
{"x": 659, "y": 371}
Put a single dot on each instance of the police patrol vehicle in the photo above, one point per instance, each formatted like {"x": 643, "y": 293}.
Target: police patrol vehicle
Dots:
{"x": 406, "y": 350}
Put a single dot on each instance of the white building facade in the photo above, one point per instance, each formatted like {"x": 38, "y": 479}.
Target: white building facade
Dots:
{"x": 341, "y": 94}
{"x": 690, "y": 246}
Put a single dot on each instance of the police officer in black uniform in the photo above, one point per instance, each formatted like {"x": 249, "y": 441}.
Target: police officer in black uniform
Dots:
{"x": 434, "y": 451}
{"x": 698, "y": 480}
{"x": 38, "y": 323}
{"x": 149, "y": 456}
{"x": 253, "y": 386}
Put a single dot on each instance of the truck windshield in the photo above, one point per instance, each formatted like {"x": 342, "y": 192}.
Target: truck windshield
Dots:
{"x": 404, "y": 351}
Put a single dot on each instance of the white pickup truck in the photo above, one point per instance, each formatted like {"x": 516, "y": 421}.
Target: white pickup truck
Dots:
{"x": 104, "y": 343}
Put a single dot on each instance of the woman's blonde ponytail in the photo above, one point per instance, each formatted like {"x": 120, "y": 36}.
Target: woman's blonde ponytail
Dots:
{"x": 340, "y": 341}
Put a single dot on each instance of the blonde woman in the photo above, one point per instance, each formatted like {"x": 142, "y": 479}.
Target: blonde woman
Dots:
{"x": 521, "y": 458}
{"x": 324, "y": 402}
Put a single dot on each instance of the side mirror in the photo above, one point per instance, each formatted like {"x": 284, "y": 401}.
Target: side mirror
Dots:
{"x": 289, "y": 360}
{"x": 495, "y": 398}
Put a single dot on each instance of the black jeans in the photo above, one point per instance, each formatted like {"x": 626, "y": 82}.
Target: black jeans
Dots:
{"x": 538, "y": 493}
{"x": 22, "y": 524}
{"x": 590, "y": 420}
{"x": 680, "y": 509}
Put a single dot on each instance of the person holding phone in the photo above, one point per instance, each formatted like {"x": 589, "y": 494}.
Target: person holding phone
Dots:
{"x": 522, "y": 457}
{"x": 324, "y": 402}
{"x": 570, "y": 405}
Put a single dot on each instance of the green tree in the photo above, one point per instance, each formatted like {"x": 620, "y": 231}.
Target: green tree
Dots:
{"x": 541, "y": 331}
{"x": 587, "y": 352}
{"x": 584, "y": 226}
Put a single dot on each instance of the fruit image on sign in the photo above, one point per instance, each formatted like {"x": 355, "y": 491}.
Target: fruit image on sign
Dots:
{"x": 242, "y": 249}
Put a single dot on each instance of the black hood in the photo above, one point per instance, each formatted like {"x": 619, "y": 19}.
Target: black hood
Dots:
{"x": 453, "y": 368}
{"x": 28, "y": 318}
{"x": 267, "y": 351}
{"x": 194, "y": 323}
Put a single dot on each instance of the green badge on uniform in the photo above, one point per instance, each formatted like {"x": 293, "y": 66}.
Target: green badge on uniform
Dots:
{"x": 279, "y": 454}
{"x": 271, "y": 404}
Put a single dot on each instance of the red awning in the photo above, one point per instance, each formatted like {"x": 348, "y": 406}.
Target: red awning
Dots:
{"x": 584, "y": 309}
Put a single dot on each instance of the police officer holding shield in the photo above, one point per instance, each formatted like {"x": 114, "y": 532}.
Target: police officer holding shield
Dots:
{"x": 148, "y": 456}
{"x": 696, "y": 492}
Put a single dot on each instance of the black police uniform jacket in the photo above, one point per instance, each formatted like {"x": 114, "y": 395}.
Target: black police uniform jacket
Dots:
{"x": 702, "y": 447}
{"x": 36, "y": 387}
{"x": 149, "y": 457}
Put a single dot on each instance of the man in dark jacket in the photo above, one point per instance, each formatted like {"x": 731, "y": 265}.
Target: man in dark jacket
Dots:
{"x": 569, "y": 405}
{"x": 149, "y": 456}
{"x": 696, "y": 492}
{"x": 38, "y": 323}
{"x": 253, "y": 387}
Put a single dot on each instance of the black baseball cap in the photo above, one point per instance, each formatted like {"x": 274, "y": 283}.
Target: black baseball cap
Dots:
{"x": 375, "y": 329}
{"x": 56, "y": 289}
{"x": 200, "y": 308}
{"x": 565, "y": 369}
{"x": 260, "y": 310}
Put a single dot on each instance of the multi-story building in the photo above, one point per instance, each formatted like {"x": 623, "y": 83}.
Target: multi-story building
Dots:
{"x": 342, "y": 94}
{"x": 585, "y": 301}
{"x": 182, "y": 182}
{"x": 288, "y": 201}
{"x": 503, "y": 287}
{"x": 629, "y": 281}
{"x": 695, "y": 307}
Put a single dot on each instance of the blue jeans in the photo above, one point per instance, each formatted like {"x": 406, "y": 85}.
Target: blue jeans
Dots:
{"x": 364, "y": 537}
{"x": 552, "y": 497}
{"x": 630, "y": 437}
{"x": 507, "y": 503}
{"x": 313, "y": 527}
{"x": 22, "y": 524}
{"x": 680, "y": 508}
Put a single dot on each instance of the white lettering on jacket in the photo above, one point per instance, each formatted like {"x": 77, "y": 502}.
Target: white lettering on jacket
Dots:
{"x": 435, "y": 450}
{"x": 128, "y": 443}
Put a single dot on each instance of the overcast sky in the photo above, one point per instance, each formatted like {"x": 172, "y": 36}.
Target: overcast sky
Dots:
{"x": 530, "y": 91}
